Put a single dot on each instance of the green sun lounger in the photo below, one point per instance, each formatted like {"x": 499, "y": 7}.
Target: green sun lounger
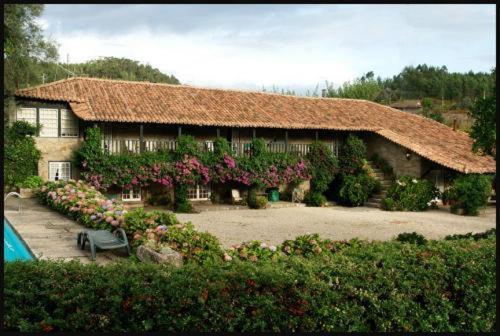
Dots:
{"x": 103, "y": 239}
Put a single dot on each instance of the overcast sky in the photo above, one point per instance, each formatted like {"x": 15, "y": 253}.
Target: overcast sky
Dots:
{"x": 291, "y": 46}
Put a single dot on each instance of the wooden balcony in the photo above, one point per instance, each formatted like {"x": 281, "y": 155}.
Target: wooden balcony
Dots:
{"x": 131, "y": 146}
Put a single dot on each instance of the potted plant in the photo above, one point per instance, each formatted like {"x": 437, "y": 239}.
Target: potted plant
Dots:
{"x": 27, "y": 187}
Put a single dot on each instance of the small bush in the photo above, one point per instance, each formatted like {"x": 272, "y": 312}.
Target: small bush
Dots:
{"x": 323, "y": 165}
{"x": 412, "y": 238}
{"x": 408, "y": 193}
{"x": 31, "y": 182}
{"x": 21, "y": 155}
{"x": 356, "y": 189}
{"x": 475, "y": 236}
{"x": 252, "y": 251}
{"x": 470, "y": 193}
{"x": 255, "y": 201}
{"x": 314, "y": 199}
{"x": 181, "y": 201}
{"x": 352, "y": 155}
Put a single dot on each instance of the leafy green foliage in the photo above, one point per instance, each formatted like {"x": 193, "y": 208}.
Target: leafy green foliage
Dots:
{"x": 352, "y": 156}
{"x": 323, "y": 166}
{"x": 255, "y": 201}
{"x": 441, "y": 286}
{"x": 484, "y": 129}
{"x": 365, "y": 87}
{"x": 20, "y": 154}
{"x": 491, "y": 233}
{"x": 181, "y": 201}
{"x": 412, "y": 238}
{"x": 24, "y": 46}
{"x": 356, "y": 189}
{"x": 31, "y": 182}
{"x": 408, "y": 193}
{"x": 314, "y": 198}
{"x": 470, "y": 193}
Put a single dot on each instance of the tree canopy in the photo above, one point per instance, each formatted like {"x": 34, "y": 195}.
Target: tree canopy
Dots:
{"x": 24, "y": 46}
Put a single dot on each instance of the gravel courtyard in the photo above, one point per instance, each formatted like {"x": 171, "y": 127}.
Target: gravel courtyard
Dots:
{"x": 275, "y": 225}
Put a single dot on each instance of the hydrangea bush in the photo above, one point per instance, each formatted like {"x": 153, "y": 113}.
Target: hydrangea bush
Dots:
{"x": 408, "y": 193}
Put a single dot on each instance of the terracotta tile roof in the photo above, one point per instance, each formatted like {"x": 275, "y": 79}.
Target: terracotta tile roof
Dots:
{"x": 113, "y": 100}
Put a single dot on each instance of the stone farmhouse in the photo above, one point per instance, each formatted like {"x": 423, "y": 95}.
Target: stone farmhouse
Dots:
{"x": 143, "y": 116}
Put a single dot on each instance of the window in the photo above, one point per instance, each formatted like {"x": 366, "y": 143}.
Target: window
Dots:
{"x": 52, "y": 123}
{"x": 49, "y": 122}
{"x": 69, "y": 124}
{"x": 199, "y": 193}
{"x": 60, "y": 170}
{"x": 26, "y": 114}
{"x": 133, "y": 194}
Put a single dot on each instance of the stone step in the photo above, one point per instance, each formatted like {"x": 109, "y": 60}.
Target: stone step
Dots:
{"x": 372, "y": 204}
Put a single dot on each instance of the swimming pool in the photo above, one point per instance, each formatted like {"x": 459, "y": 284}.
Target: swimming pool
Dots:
{"x": 13, "y": 247}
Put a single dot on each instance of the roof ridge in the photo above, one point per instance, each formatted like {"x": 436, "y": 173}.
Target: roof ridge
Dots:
{"x": 205, "y": 88}
{"x": 47, "y": 84}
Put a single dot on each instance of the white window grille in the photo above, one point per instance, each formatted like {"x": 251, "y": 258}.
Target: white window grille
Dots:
{"x": 59, "y": 170}
{"x": 26, "y": 114}
{"x": 69, "y": 124}
{"x": 199, "y": 193}
{"x": 49, "y": 123}
{"x": 209, "y": 145}
{"x": 133, "y": 194}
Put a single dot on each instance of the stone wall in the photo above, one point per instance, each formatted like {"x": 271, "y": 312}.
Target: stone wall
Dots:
{"x": 56, "y": 149}
{"x": 395, "y": 155}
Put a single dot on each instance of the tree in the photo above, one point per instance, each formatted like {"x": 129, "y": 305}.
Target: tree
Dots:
{"x": 484, "y": 129}
{"x": 365, "y": 87}
{"x": 24, "y": 46}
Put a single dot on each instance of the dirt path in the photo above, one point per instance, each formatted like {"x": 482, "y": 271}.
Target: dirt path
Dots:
{"x": 275, "y": 225}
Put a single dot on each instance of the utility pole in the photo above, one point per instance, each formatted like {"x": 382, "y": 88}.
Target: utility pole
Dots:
{"x": 43, "y": 78}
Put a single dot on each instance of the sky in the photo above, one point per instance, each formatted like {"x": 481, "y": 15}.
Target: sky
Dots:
{"x": 291, "y": 46}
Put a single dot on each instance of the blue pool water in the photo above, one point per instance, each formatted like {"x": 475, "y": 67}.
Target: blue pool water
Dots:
{"x": 13, "y": 246}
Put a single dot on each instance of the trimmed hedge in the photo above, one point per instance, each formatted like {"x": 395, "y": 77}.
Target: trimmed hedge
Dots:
{"x": 380, "y": 286}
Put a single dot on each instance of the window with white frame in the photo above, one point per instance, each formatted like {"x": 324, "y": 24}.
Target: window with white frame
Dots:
{"x": 199, "y": 192}
{"x": 69, "y": 124}
{"x": 49, "y": 121}
{"x": 133, "y": 194}
{"x": 59, "y": 170}
{"x": 26, "y": 114}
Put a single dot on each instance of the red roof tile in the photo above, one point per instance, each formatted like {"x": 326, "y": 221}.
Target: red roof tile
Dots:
{"x": 124, "y": 101}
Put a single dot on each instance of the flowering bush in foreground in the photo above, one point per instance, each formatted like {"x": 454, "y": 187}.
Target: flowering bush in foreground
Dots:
{"x": 92, "y": 209}
{"x": 441, "y": 286}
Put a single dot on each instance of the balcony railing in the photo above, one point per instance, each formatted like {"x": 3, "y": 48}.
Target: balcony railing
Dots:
{"x": 123, "y": 146}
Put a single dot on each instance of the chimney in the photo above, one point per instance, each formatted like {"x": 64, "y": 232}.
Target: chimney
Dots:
{"x": 454, "y": 124}
{"x": 323, "y": 93}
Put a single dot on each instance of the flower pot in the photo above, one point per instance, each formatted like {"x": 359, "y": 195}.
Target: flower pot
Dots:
{"x": 26, "y": 192}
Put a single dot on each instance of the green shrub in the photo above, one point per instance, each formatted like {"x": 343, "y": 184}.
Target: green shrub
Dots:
{"x": 137, "y": 220}
{"x": 408, "y": 193}
{"x": 181, "y": 201}
{"x": 255, "y": 201}
{"x": 314, "y": 199}
{"x": 31, "y": 182}
{"x": 442, "y": 286}
{"x": 252, "y": 251}
{"x": 412, "y": 238}
{"x": 470, "y": 193}
{"x": 475, "y": 236}
{"x": 323, "y": 165}
{"x": 356, "y": 189}
{"x": 352, "y": 155}
{"x": 20, "y": 154}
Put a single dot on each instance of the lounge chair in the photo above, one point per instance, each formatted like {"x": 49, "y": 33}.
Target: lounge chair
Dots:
{"x": 103, "y": 239}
